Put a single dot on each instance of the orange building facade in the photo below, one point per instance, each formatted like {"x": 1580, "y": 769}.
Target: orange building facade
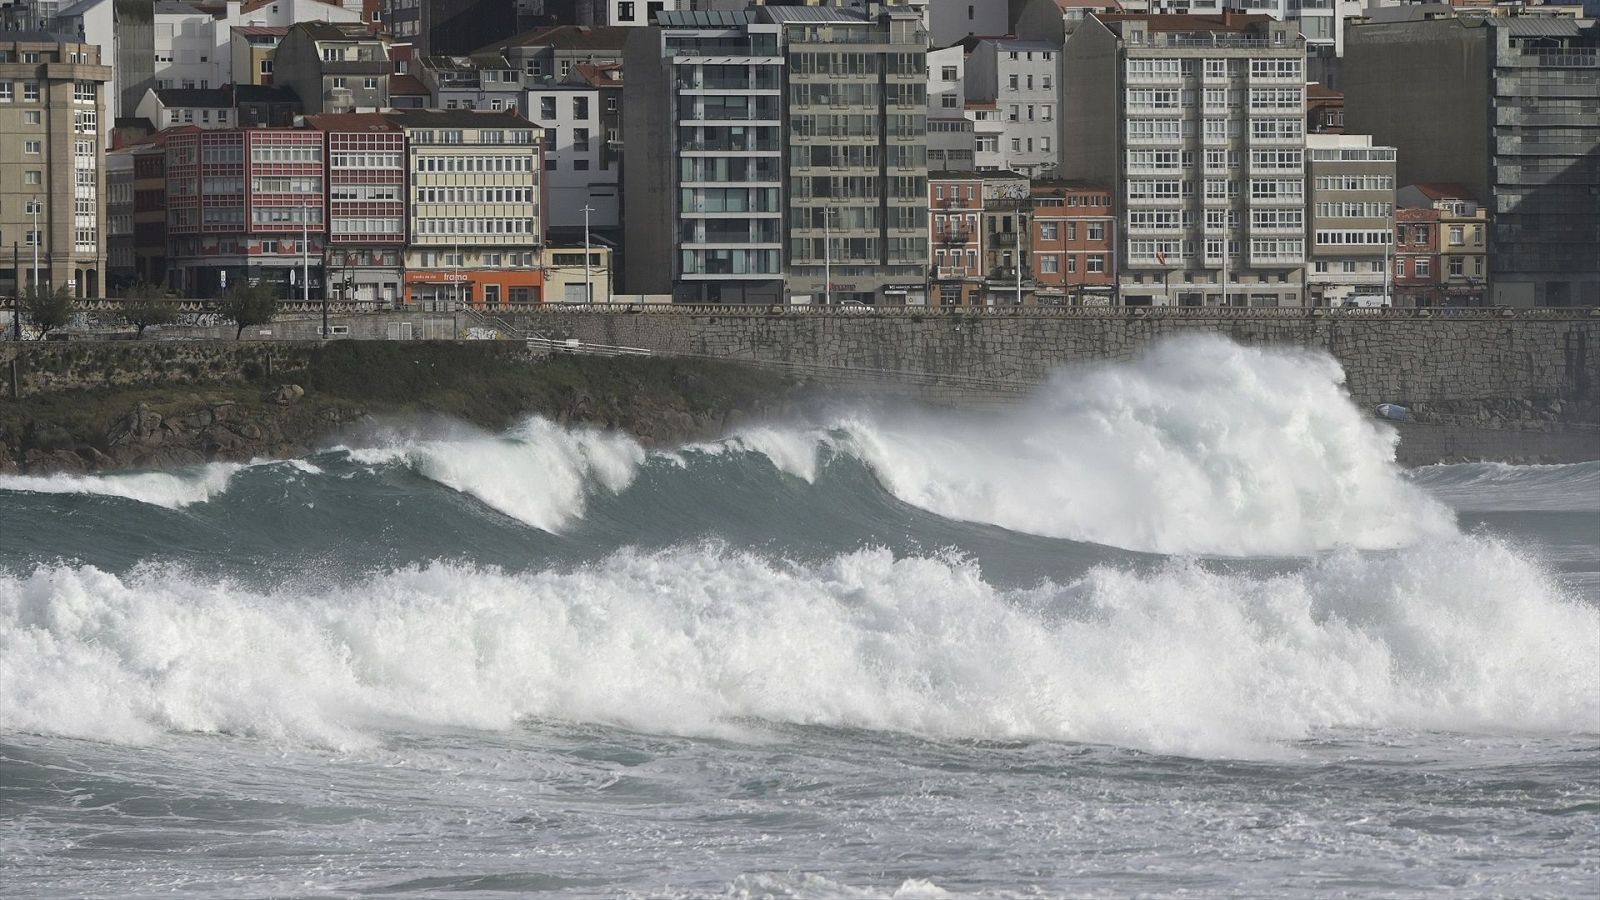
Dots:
{"x": 1074, "y": 239}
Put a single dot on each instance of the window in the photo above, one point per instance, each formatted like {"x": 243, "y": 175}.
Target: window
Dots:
{"x": 625, "y": 11}
{"x": 1424, "y": 268}
{"x": 6, "y": 92}
{"x": 31, "y": 117}
{"x": 1097, "y": 263}
{"x": 948, "y": 73}
{"x": 30, "y": 90}
{"x": 1097, "y": 231}
{"x": 1049, "y": 231}
{"x": 266, "y": 67}
{"x": 1456, "y": 236}
{"x": 547, "y": 107}
{"x": 580, "y": 107}
{"x": 1457, "y": 266}
{"x": 1012, "y": 82}
{"x": 32, "y": 148}
{"x": 1072, "y": 264}
{"x": 371, "y": 83}
{"x": 33, "y": 176}
{"x": 580, "y": 165}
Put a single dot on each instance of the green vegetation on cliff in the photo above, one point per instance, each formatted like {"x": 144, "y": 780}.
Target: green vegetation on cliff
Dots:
{"x": 233, "y": 406}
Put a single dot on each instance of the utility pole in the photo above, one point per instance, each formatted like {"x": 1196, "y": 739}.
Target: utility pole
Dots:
{"x": 1388, "y": 268}
{"x": 1225, "y": 233}
{"x": 588, "y": 284}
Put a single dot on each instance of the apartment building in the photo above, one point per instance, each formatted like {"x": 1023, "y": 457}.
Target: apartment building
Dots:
{"x": 120, "y": 270}
{"x": 150, "y": 207}
{"x": 1350, "y": 208}
{"x": 1021, "y": 77}
{"x": 857, "y": 207}
{"x": 1416, "y": 257}
{"x": 250, "y": 51}
{"x": 1463, "y": 229}
{"x": 474, "y": 209}
{"x": 952, "y": 139}
{"x": 578, "y": 171}
{"x": 480, "y": 81}
{"x": 246, "y": 204}
{"x": 1007, "y": 208}
{"x": 366, "y": 171}
{"x": 334, "y": 67}
{"x": 52, "y": 161}
{"x": 201, "y": 107}
{"x": 955, "y": 236}
{"x": 448, "y": 27}
{"x": 1201, "y": 122}
{"x": 551, "y": 53}
{"x": 1073, "y": 232}
{"x": 1508, "y": 107}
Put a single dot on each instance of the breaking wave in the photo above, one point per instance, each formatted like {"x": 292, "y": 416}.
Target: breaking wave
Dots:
{"x": 1460, "y": 634}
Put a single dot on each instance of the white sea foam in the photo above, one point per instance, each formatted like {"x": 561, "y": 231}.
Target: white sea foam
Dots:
{"x": 1459, "y": 634}
{"x": 538, "y": 472}
{"x": 172, "y": 490}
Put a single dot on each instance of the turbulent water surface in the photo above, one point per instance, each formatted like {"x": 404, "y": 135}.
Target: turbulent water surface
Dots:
{"x": 1175, "y": 626}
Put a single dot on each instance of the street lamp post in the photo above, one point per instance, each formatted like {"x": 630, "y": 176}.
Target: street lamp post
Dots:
{"x": 827, "y": 258}
{"x": 34, "y": 207}
{"x": 588, "y": 284}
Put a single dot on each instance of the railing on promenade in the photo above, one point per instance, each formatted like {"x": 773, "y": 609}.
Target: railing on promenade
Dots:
{"x": 503, "y": 317}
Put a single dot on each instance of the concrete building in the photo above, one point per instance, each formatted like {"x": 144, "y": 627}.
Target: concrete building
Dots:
{"x": 950, "y": 21}
{"x": 250, "y": 52}
{"x": 448, "y": 27}
{"x": 639, "y": 13}
{"x": 857, "y": 211}
{"x": 366, "y": 171}
{"x": 1073, "y": 255}
{"x": 201, "y": 107}
{"x": 1463, "y": 272}
{"x": 53, "y": 99}
{"x": 1007, "y": 253}
{"x": 1509, "y": 108}
{"x": 1324, "y": 110}
{"x": 1350, "y": 208}
{"x": 1022, "y": 79}
{"x": 121, "y": 270}
{"x": 550, "y": 54}
{"x": 955, "y": 236}
{"x": 703, "y": 173}
{"x": 476, "y": 223}
{"x": 246, "y": 204}
{"x": 481, "y": 81}
{"x": 150, "y": 207}
{"x": 334, "y": 68}
{"x": 567, "y": 279}
{"x": 1201, "y": 122}
{"x": 577, "y": 169}
{"x": 952, "y": 139}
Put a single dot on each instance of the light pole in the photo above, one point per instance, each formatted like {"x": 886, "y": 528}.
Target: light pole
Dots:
{"x": 34, "y": 207}
{"x": 588, "y": 285}
{"x": 827, "y": 258}
{"x": 1020, "y": 226}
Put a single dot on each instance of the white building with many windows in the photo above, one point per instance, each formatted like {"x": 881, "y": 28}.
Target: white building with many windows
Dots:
{"x": 1201, "y": 121}
{"x": 1022, "y": 79}
{"x": 577, "y": 172}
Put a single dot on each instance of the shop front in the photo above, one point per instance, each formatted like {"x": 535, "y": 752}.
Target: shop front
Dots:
{"x": 443, "y": 291}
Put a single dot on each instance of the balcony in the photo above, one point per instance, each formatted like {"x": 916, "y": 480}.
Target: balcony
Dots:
{"x": 961, "y": 236}
{"x": 1004, "y": 239}
{"x": 948, "y": 272}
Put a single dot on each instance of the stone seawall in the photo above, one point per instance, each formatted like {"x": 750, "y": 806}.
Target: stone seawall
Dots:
{"x": 1488, "y": 371}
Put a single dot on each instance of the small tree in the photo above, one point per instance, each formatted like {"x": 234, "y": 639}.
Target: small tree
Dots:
{"x": 144, "y": 306}
{"x": 47, "y": 309}
{"x": 249, "y": 304}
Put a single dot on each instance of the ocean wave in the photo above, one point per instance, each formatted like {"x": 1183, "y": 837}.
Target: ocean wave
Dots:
{"x": 1462, "y": 634}
{"x": 172, "y": 490}
{"x": 1493, "y": 486}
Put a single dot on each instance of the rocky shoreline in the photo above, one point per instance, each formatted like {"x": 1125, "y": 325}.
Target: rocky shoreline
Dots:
{"x": 157, "y": 426}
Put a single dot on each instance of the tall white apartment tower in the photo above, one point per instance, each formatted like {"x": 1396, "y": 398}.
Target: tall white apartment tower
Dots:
{"x": 1200, "y": 120}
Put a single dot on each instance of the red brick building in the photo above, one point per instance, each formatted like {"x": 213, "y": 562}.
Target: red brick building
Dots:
{"x": 955, "y": 238}
{"x": 366, "y": 160}
{"x": 1416, "y": 257}
{"x": 1074, "y": 235}
{"x": 246, "y": 203}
